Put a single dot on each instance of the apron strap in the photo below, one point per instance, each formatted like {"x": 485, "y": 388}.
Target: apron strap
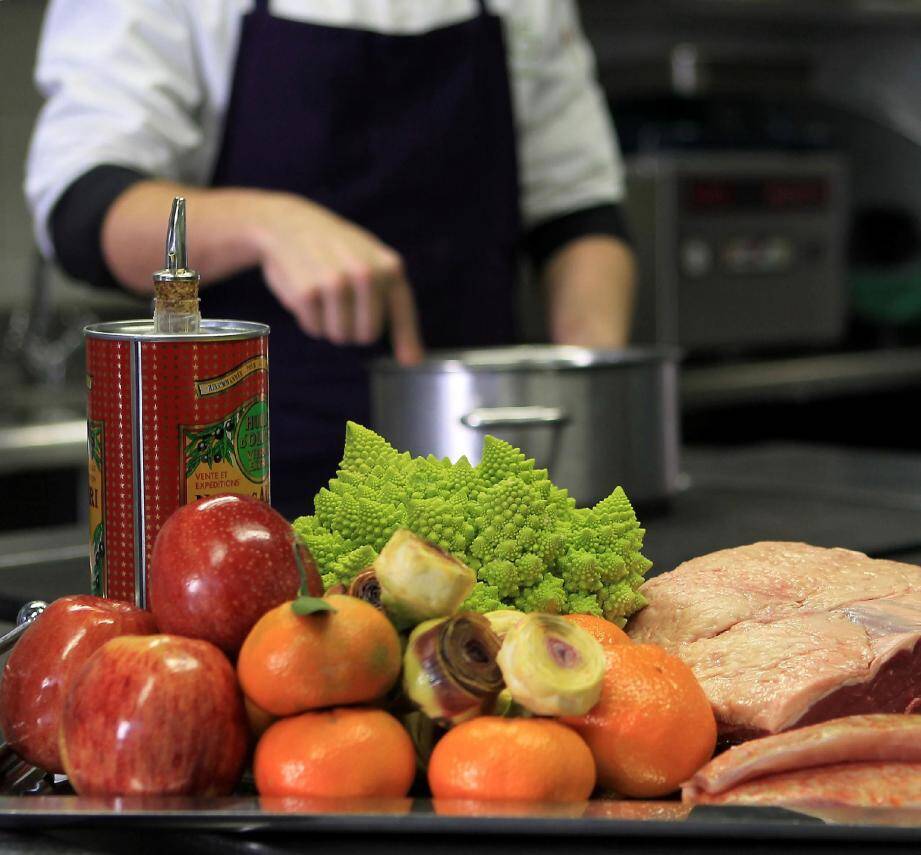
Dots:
{"x": 482, "y": 6}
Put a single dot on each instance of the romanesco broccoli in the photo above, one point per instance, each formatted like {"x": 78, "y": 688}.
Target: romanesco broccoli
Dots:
{"x": 529, "y": 545}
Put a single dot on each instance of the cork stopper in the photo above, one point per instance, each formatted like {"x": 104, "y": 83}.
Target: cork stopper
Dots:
{"x": 176, "y": 287}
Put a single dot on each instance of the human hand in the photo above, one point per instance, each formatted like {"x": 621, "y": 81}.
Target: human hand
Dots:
{"x": 339, "y": 281}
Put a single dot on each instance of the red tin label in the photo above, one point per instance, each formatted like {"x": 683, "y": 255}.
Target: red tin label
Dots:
{"x": 168, "y": 422}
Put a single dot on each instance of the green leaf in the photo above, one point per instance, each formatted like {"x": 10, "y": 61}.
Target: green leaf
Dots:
{"x": 311, "y": 605}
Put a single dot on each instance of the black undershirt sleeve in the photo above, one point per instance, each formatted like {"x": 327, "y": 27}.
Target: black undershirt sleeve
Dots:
{"x": 544, "y": 240}
{"x": 76, "y": 224}
{"x": 76, "y": 220}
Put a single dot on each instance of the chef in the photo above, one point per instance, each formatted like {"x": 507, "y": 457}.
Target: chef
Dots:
{"x": 357, "y": 172}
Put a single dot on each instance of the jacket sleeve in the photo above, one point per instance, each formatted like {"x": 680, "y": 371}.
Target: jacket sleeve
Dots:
{"x": 571, "y": 172}
{"x": 123, "y": 102}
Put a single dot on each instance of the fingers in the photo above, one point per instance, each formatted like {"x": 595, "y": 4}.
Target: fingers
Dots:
{"x": 360, "y": 296}
{"x": 368, "y": 316}
{"x": 337, "y": 299}
{"x": 304, "y": 304}
{"x": 343, "y": 307}
{"x": 310, "y": 315}
{"x": 338, "y": 280}
{"x": 404, "y": 325}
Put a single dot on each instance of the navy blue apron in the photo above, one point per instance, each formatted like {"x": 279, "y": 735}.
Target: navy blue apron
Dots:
{"x": 410, "y": 136}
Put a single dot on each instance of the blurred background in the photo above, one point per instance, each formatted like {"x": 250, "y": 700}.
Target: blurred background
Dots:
{"x": 774, "y": 162}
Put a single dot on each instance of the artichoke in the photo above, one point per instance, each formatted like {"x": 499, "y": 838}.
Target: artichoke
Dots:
{"x": 502, "y": 620}
{"x": 552, "y": 666}
{"x": 366, "y": 587}
{"x": 449, "y": 668}
{"x": 420, "y": 581}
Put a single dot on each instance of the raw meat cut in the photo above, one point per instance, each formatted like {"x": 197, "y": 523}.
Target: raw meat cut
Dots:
{"x": 895, "y": 785}
{"x": 857, "y": 738}
{"x": 787, "y": 634}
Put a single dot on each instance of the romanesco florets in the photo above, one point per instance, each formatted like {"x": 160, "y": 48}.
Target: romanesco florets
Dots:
{"x": 346, "y": 567}
{"x": 580, "y": 571}
{"x": 502, "y": 575}
{"x": 440, "y": 521}
{"x": 585, "y": 604}
{"x": 529, "y": 568}
{"x": 483, "y": 598}
{"x": 366, "y": 522}
{"x": 546, "y": 596}
{"x": 620, "y": 601}
{"x": 500, "y": 461}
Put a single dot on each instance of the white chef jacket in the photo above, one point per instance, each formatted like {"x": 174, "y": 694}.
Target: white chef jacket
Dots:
{"x": 146, "y": 84}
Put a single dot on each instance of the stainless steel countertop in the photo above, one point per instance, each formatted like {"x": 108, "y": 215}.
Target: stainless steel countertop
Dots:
{"x": 800, "y": 379}
{"x": 42, "y": 427}
{"x": 45, "y": 445}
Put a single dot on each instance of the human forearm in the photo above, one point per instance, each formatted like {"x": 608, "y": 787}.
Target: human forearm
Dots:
{"x": 338, "y": 281}
{"x": 222, "y": 229}
{"x": 590, "y": 284}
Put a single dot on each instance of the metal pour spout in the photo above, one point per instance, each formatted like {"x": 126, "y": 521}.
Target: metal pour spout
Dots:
{"x": 176, "y": 257}
{"x": 176, "y": 287}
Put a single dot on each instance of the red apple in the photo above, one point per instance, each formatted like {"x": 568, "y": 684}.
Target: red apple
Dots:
{"x": 48, "y": 655}
{"x": 154, "y": 715}
{"x": 219, "y": 564}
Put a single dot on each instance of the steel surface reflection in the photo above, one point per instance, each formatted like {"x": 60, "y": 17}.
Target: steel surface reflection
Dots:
{"x": 472, "y": 808}
{"x": 612, "y": 819}
{"x": 660, "y": 811}
{"x": 302, "y": 805}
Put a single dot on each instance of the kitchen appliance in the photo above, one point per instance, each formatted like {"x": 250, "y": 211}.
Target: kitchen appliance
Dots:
{"x": 595, "y": 419}
{"x": 738, "y": 250}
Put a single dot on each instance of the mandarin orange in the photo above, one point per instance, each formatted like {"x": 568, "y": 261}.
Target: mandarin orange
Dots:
{"x": 349, "y": 752}
{"x": 512, "y": 759}
{"x": 653, "y": 726}
{"x": 602, "y": 630}
{"x": 291, "y": 663}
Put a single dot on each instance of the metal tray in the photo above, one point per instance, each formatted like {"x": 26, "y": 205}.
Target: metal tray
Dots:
{"x": 33, "y": 800}
{"x": 597, "y": 818}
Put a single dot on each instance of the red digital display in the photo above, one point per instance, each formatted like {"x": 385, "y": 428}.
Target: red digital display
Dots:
{"x": 802, "y": 193}
{"x": 712, "y": 194}
{"x": 764, "y": 194}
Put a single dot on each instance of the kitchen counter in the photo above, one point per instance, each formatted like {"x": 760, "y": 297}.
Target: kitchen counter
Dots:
{"x": 855, "y": 498}
{"x": 42, "y": 427}
{"x": 799, "y": 379}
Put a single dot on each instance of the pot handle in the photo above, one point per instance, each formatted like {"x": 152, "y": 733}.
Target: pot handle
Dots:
{"x": 484, "y": 418}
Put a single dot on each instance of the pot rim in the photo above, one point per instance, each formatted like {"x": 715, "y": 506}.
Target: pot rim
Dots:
{"x": 529, "y": 357}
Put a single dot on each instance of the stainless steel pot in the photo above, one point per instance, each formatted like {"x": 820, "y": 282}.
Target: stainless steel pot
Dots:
{"x": 595, "y": 419}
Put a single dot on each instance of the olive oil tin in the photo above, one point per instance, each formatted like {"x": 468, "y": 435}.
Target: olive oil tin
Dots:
{"x": 171, "y": 418}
